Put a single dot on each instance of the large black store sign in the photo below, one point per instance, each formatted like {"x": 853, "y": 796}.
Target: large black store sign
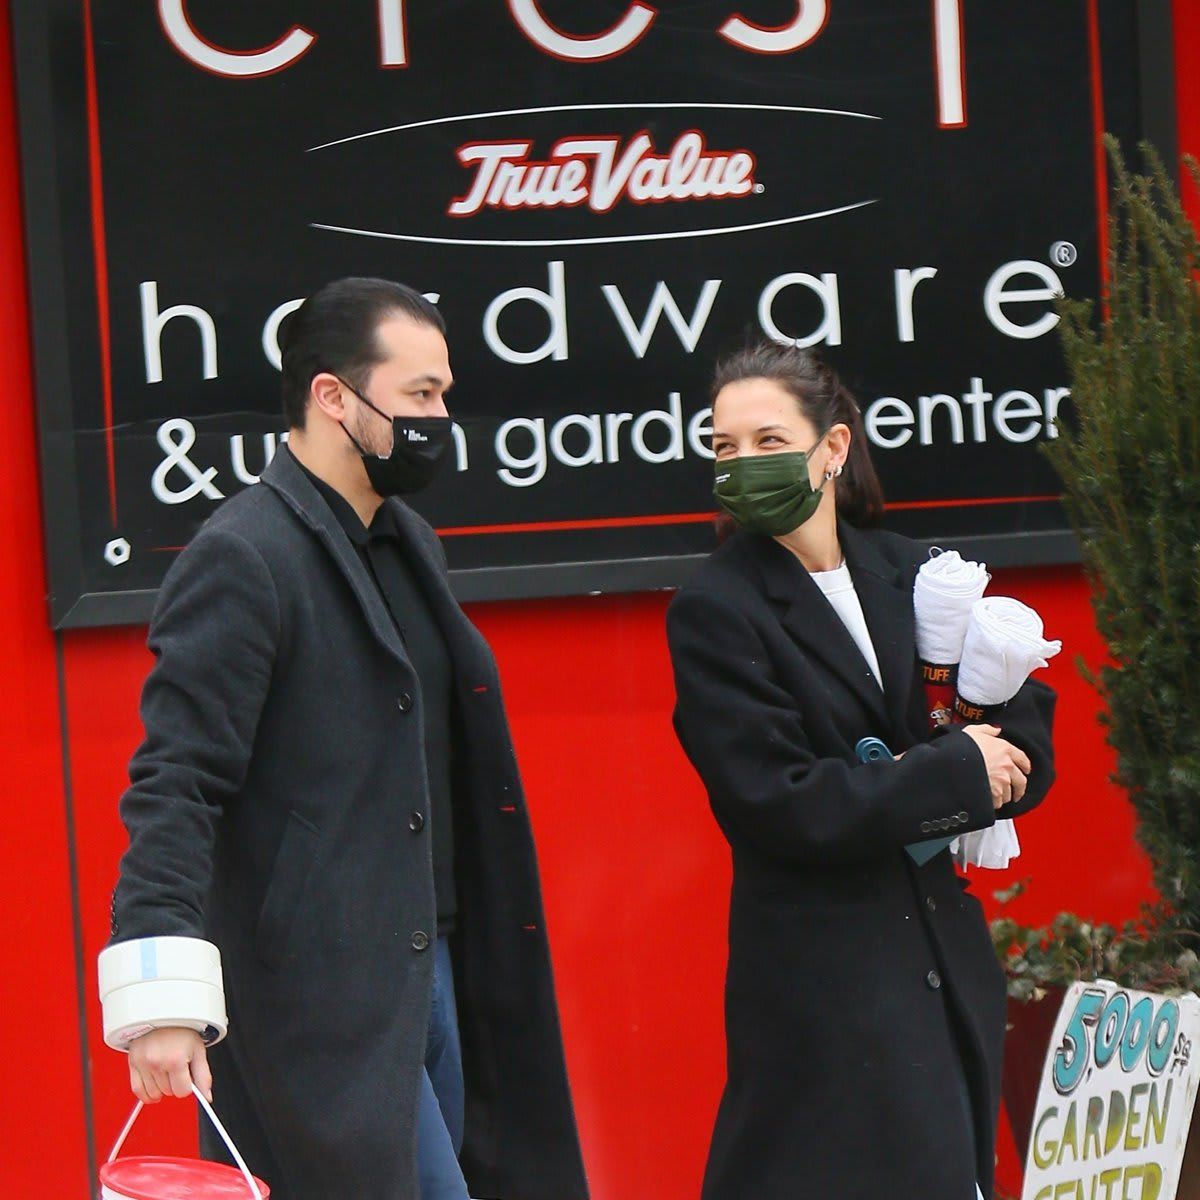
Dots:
{"x": 602, "y": 197}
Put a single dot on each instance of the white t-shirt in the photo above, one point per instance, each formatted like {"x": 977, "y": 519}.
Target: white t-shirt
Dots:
{"x": 839, "y": 591}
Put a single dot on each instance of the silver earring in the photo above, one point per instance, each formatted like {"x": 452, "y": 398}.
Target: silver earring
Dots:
{"x": 829, "y": 475}
{"x": 837, "y": 470}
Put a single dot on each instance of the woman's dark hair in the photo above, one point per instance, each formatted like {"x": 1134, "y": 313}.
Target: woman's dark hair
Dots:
{"x": 824, "y": 401}
{"x": 336, "y": 330}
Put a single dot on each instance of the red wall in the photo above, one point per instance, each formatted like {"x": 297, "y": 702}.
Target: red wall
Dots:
{"x": 635, "y": 875}
{"x": 42, "y": 1109}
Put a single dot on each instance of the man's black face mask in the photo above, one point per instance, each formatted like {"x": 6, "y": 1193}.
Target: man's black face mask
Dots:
{"x": 419, "y": 446}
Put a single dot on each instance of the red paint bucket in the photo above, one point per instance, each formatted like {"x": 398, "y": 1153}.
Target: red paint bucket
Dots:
{"x": 153, "y": 1177}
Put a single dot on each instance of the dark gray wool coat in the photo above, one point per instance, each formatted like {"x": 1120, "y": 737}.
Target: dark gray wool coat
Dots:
{"x": 861, "y": 987}
{"x": 273, "y": 809}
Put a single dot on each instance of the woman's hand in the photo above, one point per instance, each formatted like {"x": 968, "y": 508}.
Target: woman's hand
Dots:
{"x": 1007, "y": 765}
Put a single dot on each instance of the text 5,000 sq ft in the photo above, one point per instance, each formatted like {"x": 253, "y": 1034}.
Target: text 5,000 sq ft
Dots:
{"x": 1104, "y": 1028}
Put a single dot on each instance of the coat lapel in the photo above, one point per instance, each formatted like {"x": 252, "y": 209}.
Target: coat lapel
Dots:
{"x": 813, "y": 623}
{"x": 886, "y": 598}
{"x": 285, "y": 477}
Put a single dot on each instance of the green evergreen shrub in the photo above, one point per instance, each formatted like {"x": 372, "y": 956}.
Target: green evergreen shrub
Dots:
{"x": 1129, "y": 461}
{"x": 1130, "y": 466}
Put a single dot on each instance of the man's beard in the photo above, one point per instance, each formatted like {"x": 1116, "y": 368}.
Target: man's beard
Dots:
{"x": 373, "y": 433}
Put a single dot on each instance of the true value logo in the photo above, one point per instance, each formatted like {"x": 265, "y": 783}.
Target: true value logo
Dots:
{"x": 1116, "y": 1097}
{"x": 599, "y": 172}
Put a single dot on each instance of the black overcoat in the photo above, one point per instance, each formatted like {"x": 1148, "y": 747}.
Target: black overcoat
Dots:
{"x": 276, "y": 808}
{"x": 856, "y": 980}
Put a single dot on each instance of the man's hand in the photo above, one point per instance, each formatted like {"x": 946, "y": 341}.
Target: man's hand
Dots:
{"x": 1007, "y": 766}
{"x": 164, "y": 1062}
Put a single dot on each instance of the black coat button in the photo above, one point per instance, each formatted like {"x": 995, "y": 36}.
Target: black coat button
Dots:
{"x": 931, "y": 904}
{"x": 933, "y": 978}
{"x": 416, "y": 822}
{"x": 420, "y": 940}
{"x": 404, "y": 703}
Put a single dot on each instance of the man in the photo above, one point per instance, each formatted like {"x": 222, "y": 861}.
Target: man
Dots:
{"x": 325, "y": 743}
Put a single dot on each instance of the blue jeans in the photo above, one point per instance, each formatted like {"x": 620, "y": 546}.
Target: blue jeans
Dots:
{"x": 440, "y": 1108}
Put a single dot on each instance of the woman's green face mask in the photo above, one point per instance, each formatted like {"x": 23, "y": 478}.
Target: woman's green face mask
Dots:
{"x": 768, "y": 493}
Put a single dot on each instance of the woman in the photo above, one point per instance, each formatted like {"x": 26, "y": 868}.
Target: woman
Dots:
{"x": 864, "y": 1006}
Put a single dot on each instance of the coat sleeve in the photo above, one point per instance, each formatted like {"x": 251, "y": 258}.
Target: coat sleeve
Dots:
{"x": 1028, "y": 721}
{"x": 769, "y": 791}
{"x": 214, "y": 636}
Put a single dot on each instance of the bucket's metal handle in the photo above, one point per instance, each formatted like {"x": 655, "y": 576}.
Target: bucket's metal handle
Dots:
{"x": 212, "y": 1116}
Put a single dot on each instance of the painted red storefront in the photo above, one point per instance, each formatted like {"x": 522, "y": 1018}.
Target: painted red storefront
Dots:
{"x": 635, "y": 875}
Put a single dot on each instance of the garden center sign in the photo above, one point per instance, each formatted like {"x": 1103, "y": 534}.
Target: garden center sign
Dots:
{"x": 1116, "y": 1097}
{"x": 602, "y": 196}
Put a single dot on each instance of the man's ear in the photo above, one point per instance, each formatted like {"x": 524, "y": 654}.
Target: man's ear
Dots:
{"x": 325, "y": 392}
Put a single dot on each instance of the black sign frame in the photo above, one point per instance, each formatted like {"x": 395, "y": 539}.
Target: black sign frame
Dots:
{"x": 59, "y": 212}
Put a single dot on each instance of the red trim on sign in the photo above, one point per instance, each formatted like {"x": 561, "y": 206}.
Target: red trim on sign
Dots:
{"x": 1101, "y": 166}
{"x": 570, "y": 526}
{"x": 100, "y": 247}
{"x": 699, "y": 518}
{"x": 704, "y": 517}
{"x": 901, "y": 505}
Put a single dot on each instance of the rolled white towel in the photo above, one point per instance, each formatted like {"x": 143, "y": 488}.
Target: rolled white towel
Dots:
{"x": 993, "y": 848}
{"x": 1004, "y": 644}
{"x": 946, "y": 587}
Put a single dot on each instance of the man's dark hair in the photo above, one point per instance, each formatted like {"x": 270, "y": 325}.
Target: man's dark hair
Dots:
{"x": 336, "y": 330}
